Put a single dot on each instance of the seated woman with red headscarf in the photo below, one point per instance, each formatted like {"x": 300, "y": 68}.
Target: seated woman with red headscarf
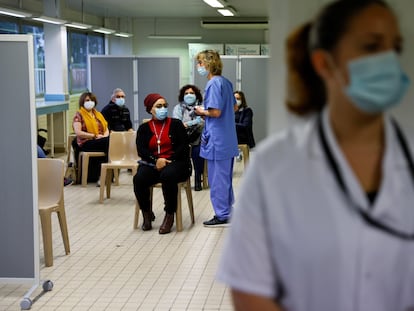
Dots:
{"x": 162, "y": 144}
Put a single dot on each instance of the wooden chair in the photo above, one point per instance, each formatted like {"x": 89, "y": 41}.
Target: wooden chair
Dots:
{"x": 83, "y": 161}
{"x": 71, "y": 169}
{"x": 186, "y": 185}
{"x": 122, "y": 154}
{"x": 82, "y": 164}
{"x": 205, "y": 175}
{"x": 246, "y": 151}
{"x": 51, "y": 199}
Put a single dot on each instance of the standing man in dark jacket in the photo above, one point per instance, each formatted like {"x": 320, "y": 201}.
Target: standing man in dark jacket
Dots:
{"x": 116, "y": 113}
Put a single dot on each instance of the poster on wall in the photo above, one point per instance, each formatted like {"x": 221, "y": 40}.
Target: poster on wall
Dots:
{"x": 194, "y": 48}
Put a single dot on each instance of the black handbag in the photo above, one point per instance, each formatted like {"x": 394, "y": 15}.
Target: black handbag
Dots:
{"x": 193, "y": 133}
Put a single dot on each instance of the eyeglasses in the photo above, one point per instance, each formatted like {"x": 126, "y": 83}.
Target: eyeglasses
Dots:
{"x": 120, "y": 96}
{"x": 165, "y": 105}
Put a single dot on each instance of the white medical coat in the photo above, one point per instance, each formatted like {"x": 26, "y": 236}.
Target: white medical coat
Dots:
{"x": 292, "y": 228}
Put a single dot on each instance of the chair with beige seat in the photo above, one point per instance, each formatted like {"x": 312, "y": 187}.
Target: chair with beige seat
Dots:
{"x": 51, "y": 199}
{"x": 122, "y": 154}
{"x": 186, "y": 185}
{"x": 246, "y": 152}
{"x": 83, "y": 157}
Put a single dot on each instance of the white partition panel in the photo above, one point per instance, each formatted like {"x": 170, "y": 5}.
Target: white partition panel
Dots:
{"x": 19, "y": 233}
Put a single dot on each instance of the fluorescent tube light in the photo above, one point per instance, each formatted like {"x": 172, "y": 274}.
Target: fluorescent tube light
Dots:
{"x": 123, "y": 34}
{"x": 105, "y": 31}
{"x": 225, "y": 12}
{"x": 228, "y": 11}
{"x": 215, "y": 3}
{"x": 14, "y": 13}
{"x": 174, "y": 37}
{"x": 50, "y": 20}
{"x": 78, "y": 25}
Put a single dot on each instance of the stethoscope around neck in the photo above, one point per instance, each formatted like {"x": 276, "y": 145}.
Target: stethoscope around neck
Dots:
{"x": 366, "y": 217}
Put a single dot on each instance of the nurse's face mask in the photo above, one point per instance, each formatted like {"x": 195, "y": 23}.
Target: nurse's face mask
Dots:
{"x": 376, "y": 82}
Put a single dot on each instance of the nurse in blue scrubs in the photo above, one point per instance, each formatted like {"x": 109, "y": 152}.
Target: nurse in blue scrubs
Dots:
{"x": 219, "y": 138}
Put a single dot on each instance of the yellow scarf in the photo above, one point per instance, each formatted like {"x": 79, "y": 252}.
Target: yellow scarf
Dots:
{"x": 91, "y": 123}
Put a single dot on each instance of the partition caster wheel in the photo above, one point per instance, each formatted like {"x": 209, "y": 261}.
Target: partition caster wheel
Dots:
{"x": 47, "y": 285}
{"x": 26, "y": 304}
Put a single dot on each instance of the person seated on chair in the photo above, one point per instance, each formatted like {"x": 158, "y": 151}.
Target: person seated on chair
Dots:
{"x": 244, "y": 121}
{"x": 189, "y": 97}
{"x": 92, "y": 133}
{"x": 116, "y": 113}
{"x": 162, "y": 144}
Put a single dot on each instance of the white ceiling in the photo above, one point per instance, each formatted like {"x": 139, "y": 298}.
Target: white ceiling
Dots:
{"x": 166, "y": 8}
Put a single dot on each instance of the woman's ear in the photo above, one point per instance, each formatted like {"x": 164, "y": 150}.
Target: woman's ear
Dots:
{"x": 322, "y": 64}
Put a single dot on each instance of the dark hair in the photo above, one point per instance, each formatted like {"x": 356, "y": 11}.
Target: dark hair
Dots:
{"x": 196, "y": 90}
{"x": 243, "y": 99}
{"x": 91, "y": 96}
{"x": 306, "y": 90}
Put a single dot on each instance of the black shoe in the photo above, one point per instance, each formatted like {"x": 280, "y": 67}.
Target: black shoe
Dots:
{"x": 215, "y": 222}
{"x": 67, "y": 181}
{"x": 198, "y": 187}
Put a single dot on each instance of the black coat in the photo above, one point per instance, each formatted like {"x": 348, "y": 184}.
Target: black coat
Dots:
{"x": 118, "y": 118}
{"x": 179, "y": 141}
{"x": 244, "y": 126}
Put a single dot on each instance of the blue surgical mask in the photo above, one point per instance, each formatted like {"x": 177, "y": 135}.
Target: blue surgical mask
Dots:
{"x": 120, "y": 101}
{"x": 377, "y": 82}
{"x": 202, "y": 71}
{"x": 161, "y": 113}
{"x": 190, "y": 99}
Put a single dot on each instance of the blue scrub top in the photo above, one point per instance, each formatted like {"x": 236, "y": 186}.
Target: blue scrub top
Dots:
{"x": 219, "y": 138}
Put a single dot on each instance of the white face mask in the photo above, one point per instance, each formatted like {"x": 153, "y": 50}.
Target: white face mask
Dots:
{"x": 88, "y": 105}
{"x": 239, "y": 102}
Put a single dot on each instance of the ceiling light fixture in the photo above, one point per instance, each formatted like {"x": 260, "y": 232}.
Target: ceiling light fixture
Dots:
{"x": 78, "y": 25}
{"x": 103, "y": 30}
{"x": 123, "y": 34}
{"x": 14, "y": 13}
{"x": 215, "y": 3}
{"x": 227, "y": 11}
{"x": 175, "y": 37}
{"x": 49, "y": 20}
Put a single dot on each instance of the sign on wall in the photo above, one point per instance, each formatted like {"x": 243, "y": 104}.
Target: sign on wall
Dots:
{"x": 242, "y": 49}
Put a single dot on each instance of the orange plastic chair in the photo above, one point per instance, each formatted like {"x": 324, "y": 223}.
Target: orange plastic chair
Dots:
{"x": 51, "y": 199}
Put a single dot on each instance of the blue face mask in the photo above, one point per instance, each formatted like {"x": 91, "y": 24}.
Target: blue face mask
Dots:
{"x": 120, "y": 101}
{"x": 190, "y": 99}
{"x": 377, "y": 82}
{"x": 202, "y": 71}
{"x": 161, "y": 113}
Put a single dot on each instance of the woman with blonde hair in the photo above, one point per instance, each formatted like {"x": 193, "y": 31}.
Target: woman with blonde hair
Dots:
{"x": 219, "y": 139}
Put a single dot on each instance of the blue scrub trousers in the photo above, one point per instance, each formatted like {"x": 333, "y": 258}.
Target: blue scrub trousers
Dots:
{"x": 220, "y": 179}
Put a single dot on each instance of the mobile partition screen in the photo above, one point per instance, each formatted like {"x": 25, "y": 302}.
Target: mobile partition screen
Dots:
{"x": 137, "y": 76}
{"x": 19, "y": 236}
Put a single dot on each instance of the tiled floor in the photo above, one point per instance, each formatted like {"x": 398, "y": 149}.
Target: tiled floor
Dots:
{"x": 113, "y": 267}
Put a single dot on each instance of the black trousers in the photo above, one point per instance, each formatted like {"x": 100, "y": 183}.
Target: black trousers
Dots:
{"x": 198, "y": 162}
{"x": 169, "y": 177}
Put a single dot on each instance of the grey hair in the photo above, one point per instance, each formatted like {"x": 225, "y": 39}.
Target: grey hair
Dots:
{"x": 117, "y": 90}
